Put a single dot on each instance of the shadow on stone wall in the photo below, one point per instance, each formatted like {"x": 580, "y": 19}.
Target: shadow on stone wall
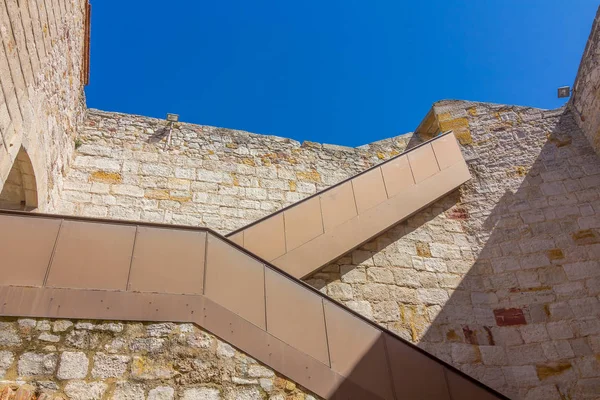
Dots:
{"x": 391, "y": 369}
{"x": 378, "y": 245}
{"x": 414, "y": 140}
{"x": 526, "y": 314}
{"x": 523, "y": 317}
{"x": 158, "y": 135}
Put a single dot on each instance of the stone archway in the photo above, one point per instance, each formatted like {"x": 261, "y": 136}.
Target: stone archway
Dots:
{"x": 20, "y": 189}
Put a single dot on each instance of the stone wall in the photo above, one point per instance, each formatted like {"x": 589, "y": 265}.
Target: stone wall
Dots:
{"x": 501, "y": 278}
{"x": 93, "y": 360}
{"x": 41, "y": 96}
{"x": 586, "y": 91}
{"x": 207, "y": 176}
{"x": 517, "y": 243}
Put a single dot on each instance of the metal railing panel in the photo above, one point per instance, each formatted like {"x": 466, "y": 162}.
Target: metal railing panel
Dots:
{"x": 92, "y": 256}
{"x": 168, "y": 261}
{"x": 235, "y": 281}
{"x": 295, "y": 315}
{"x": 303, "y": 223}
{"x": 357, "y": 351}
{"x": 26, "y": 247}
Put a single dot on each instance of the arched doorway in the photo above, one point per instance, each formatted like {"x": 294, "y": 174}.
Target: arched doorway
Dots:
{"x": 20, "y": 190}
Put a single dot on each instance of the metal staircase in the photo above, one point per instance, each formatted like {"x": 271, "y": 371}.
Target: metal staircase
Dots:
{"x": 66, "y": 267}
{"x": 311, "y": 233}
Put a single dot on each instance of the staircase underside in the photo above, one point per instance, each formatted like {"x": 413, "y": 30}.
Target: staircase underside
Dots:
{"x": 308, "y": 235}
{"x": 62, "y": 267}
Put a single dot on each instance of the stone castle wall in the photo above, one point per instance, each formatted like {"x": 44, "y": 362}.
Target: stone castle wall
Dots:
{"x": 499, "y": 278}
{"x": 586, "y": 92}
{"x": 41, "y": 96}
{"x": 93, "y": 360}
{"x": 208, "y": 176}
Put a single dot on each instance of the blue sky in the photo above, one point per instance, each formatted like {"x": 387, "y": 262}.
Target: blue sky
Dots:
{"x": 343, "y": 72}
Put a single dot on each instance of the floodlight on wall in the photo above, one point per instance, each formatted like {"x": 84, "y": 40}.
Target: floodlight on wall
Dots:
{"x": 172, "y": 119}
{"x": 564, "y": 91}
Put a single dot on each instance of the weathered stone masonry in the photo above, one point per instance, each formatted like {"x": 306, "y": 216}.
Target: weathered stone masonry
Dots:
{"x": 501, "y": 278}
{"x": 41, "y": 97}
{"x": 209, "y": 176}
{"x": 498, "y": 279}
{"x": 91, "y": 360}
{"x": 586, "y": 92}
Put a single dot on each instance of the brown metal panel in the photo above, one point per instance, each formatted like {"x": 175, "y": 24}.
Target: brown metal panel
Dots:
{"x": 397, "y": 176}
{"x": 415, "y": 375}
{"x": 356, "y": 347}
{"x": 311, "y": 256}
{"x": 305, "y": 370}
{"x": 266, "y": 239}
{"x": 92, "y": 255}
{"x": 338, "y": 205}
{"x": 235, "y": 330}
{"x": 423, "y": 163}
{"x": 94, "y": 304}
{"x": 295, "y": 315}
{"x": 168, "y": 261}
{"x": 357, "y": 351}
{"x": 447, "y": 151}
{"x": 369, "y": 190}
{"x": 462, "y": 388}
{"x": 235, "y": 281}
{"x": 26, "y": 246}
{"x": 348, "y": 390}
{"x": 303, "y": 223}
{"x": 270, "y": 350}
{"x": 238, "y": 238}
{"x": 97, "y": 304}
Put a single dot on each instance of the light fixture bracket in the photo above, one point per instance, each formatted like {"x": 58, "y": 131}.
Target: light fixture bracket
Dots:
{"x": 564, "y": 91}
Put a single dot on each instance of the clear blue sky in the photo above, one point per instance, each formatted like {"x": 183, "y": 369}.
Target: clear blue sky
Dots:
{"x": 343, "y": 72}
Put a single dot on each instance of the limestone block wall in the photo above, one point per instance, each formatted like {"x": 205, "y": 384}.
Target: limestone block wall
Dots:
{"x": 41, "y": 96}
{"x": 207, "y": 176}
{"x": 501, "y": 278}
{"x": 586, "y": 93}
{"x": 93, "y": 360}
